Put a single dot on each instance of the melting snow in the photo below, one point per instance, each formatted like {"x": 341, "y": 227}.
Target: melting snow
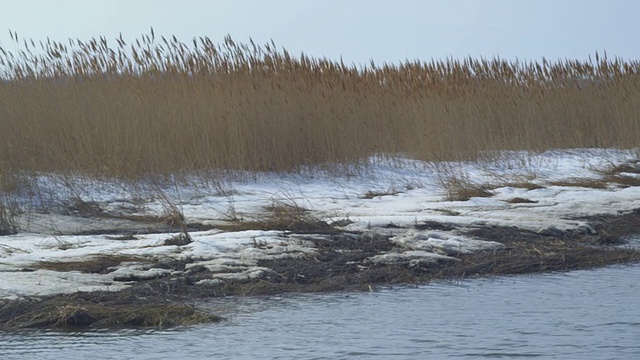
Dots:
{"x": 401, "y": 192}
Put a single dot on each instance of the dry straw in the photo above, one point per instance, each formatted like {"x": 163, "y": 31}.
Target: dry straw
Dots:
{"x": 161, "y": 106}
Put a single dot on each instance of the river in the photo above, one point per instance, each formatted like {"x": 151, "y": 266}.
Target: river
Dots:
{"x": 578, "y": 315}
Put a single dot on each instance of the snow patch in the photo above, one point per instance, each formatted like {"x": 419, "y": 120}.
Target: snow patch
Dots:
{"x": 412, "y": 258}
{"x": 443, "y": 243}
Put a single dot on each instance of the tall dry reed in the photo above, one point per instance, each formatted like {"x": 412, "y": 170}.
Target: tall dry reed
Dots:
{"x": 161, "y": 106}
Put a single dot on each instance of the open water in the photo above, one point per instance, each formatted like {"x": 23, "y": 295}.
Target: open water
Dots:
{"x": 578, "y": 315}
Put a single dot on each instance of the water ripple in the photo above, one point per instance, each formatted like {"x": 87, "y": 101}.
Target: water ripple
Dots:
{"x": 577, "y": 315}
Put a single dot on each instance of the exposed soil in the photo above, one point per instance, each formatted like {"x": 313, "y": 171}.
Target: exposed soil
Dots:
{"x": 339, "y": 264}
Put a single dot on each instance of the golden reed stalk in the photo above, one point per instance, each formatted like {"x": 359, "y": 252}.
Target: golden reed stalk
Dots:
{"x": 161, "y": 106}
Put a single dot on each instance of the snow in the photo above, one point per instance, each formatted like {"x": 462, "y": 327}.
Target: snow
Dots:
{"x": 16, "y": 283}
{"x": 442, "y": 243}
{"x": 409, "y": 192}
{"x": 412, "y": 257}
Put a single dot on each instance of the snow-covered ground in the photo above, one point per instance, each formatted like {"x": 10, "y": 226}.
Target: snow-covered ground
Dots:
{"x": 401, "y": 192}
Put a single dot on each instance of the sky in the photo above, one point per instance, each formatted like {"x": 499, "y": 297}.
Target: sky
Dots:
{"x": 356, "y": 30}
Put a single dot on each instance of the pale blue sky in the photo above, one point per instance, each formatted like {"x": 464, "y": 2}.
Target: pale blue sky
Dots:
{"x": 359, "y": 30}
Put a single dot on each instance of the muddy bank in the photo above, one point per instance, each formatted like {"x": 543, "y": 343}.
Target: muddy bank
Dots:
{"x": 341, "y": 261}
{"x": 129, "y": 308}
{"x": 344, "y": 262}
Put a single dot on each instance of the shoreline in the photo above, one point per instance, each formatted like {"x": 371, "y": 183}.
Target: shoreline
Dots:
{"x": 342, "y": 262}
{"x": 111, "y": 256}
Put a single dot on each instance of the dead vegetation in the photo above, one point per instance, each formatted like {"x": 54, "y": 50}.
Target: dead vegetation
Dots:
{"x": 284, "y": 215}
{"x": 10, "y": 184}
{"x": 624, "y": 180}
{"x": 624, "y": 175}
{"x": 620, "y": 175}
{"x": 630, "y": 167}
{"x": 100, "y": 310}
{"x": 8, "y": 214}
{"x": 158, "y": 108}
{"x": 98, "y": 264}
{"x": 605, "y": 182}
{"x": 165, "y": 108}
{"x": 79, "y": 207}
{"x": 529, "y": 252}
{"x": 378, "y": 193}
{"x": 461, "y": 189}
{"x": 340, "y": 263}
{"x": 111, "y": 108}
{"x": 520, "y": 185}
{"x": 585, "y": 183}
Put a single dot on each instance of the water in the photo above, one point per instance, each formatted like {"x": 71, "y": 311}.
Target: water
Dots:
{"x": 578, "y": 315}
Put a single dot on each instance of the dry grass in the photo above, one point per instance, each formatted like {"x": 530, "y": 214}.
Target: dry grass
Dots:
{"x": 8, "y": 215}
{"x": 585, "y": 183}
{"x": 623, "y": 175}
{"x": 101, "y": 264}
{"x": 114, "y": 311}
{"x": 631, "y": 167}
{"x": 371, "y": 194}
{"x": 461, "y": 189}
{"x": 521, "y": 185}
{"x": 283, "y": 215}
{"x": 624, "y": 181}
{"x": 158, "y": 106}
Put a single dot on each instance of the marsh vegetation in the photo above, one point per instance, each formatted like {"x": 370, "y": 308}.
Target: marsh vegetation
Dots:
{"x": 159, "y": 106}
{"x": 158, "y": 112}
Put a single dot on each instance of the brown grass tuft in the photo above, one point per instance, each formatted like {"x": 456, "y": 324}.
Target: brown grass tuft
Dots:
{"x": 377, "y": 193}
{"x": 586, "y": 183}
{"x": 8, "y": 216}
{"x": 78, "y": 311}
{"x": 100, "y": 264}
{"x": 284, "y": 216}
{"x": 522, "y": 185}
{"x": 460, "y": 189}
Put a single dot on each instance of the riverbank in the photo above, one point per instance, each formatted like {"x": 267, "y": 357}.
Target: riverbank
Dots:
{"x": 342, "y": 261}
{"x": 108, "y": 260}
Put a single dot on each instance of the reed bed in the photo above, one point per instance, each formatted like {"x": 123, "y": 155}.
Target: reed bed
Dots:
{"x": 159, "y": 106}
